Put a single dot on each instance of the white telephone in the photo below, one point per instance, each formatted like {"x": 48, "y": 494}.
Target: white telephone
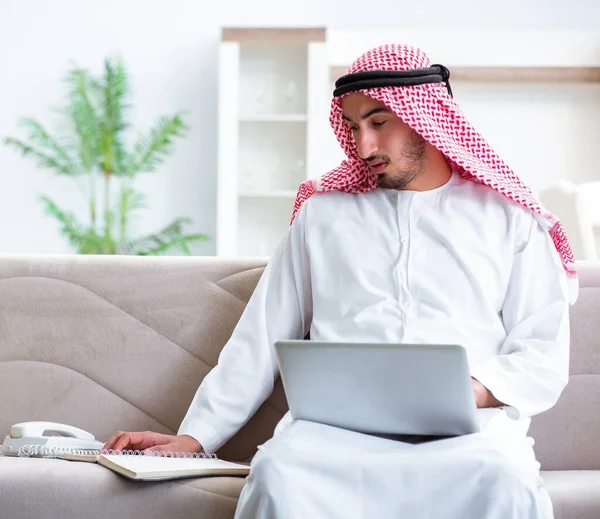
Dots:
{"x": 40, "y": 437}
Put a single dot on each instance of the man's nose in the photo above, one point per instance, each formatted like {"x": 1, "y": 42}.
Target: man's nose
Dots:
{"x": 366, "y": 144}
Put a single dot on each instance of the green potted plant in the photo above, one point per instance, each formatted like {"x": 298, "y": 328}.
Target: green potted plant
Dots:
{"x": 95, "y": 149}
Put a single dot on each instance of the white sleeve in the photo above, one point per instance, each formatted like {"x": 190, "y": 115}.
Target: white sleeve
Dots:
{"x": 532, "y": 368}
{"x": 279, "y": 308}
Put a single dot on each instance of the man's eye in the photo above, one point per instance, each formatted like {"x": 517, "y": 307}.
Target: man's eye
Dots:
{"x": 378, "y": 123}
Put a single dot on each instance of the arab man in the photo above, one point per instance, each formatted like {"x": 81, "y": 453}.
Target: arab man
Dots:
{"x": 422, "y": 235}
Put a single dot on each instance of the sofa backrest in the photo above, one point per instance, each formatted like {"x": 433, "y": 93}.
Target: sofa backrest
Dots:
{"x": 111, "y": 343}
{"x": 568, "y": 435}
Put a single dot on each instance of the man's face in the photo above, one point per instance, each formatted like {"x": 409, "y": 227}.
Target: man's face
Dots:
{"x": 394, "y": 152}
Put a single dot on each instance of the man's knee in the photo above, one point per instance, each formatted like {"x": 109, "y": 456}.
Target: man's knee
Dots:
{"x": 508, "y": 478}
{"x": 266, "y": 469}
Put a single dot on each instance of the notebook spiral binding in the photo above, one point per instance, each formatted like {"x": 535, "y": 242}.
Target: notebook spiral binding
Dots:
{"x": 56, "y": 452}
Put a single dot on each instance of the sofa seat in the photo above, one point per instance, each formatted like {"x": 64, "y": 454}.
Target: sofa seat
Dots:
{"x": 33, "y": 488}
{"x": 575, "y": 494}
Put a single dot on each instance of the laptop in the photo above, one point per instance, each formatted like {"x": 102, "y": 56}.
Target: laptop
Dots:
{"x": 385, "y": 389}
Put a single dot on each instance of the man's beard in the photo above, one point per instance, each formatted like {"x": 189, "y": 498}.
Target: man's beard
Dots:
{"x": 410, "y": 165}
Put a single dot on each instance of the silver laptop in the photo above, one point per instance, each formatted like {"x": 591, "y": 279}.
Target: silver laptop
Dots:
{"x": 387, "y": 389}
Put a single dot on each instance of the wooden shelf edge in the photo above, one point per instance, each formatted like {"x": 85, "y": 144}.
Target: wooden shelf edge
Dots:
{"x": 512, "y": 74}
{"x": 274, "y": 35}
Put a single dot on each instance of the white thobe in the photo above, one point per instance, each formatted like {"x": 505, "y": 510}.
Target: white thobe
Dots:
{"x": 459, "y": 264}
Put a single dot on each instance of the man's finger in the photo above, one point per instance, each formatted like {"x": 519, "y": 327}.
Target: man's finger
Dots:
{"x": 167, "y": 447}
{"x": 136, "y": 440}
{"x": 139, "y": 440}
{"x": 113, "y": 440}
{"x": 123, "y": 442}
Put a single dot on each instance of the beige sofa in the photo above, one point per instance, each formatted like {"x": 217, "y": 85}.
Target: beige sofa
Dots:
{"x": 107, "y": 343}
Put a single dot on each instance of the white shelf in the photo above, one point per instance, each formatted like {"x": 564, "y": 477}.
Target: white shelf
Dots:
{"x": 268, "y": 194}
{"x": 274, "y": 118}
{"x": 273, "y": 101}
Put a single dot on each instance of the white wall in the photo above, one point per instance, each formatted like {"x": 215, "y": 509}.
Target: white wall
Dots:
{"x": 170, "y": 47}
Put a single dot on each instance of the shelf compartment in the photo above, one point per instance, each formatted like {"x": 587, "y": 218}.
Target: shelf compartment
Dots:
{"x": 272, "y": 156}
{"x": 273, "y": 79}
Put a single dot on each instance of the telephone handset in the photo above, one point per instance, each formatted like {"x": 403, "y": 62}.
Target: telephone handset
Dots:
{"x": 46, "y": 437}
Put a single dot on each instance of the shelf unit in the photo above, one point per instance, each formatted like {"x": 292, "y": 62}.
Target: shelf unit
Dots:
{"x": 273, "y": 106}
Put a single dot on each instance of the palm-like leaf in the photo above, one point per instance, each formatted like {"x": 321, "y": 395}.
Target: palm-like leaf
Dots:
{"x": 151, "y": 150}
{"x": 168, "y": 238}
{"x": 179, "y": 242}
{"x": 115, "y": 91}
{"x": 71, "y": 228}
{"x": 94, "y": 243}
{"x": 38, "y": 135}
{"x": 83, "y": 239}
{"x": 43, "y": 159}
{"x": 165, "y": 235}
{"x": 46, "y": 150}
{"x": 83, "y": 110}
{"x": 129, "y": 201}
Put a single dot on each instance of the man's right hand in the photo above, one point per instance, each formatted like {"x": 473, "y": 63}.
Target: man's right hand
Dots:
{"x": 152, "y": 441}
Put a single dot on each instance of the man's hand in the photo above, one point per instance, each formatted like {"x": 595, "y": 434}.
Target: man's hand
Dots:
{"x": 152, "y": 441}
{"x": 483, "y": 396}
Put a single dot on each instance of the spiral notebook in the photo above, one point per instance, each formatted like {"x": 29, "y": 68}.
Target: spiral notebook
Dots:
{"x": 147, "y": 466}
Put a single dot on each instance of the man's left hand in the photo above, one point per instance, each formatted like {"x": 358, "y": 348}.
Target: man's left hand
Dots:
{"x": 483, "y": 396}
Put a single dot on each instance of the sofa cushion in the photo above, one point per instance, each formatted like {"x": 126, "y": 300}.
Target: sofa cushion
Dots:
{"x": 80, "y": 337}
{"x": 566, "y": 436}
{"x": 32, "y": 488}
{"x": 575, "y": 494}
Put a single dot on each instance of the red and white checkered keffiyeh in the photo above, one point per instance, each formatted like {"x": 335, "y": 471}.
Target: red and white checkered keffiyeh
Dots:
{"x": 433, "y": 113}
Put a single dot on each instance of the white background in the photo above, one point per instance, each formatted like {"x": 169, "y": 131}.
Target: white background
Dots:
{"x": 170, "y": 48}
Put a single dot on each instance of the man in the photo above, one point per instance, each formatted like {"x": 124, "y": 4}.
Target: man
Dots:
{"x": 422, "y": 235}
